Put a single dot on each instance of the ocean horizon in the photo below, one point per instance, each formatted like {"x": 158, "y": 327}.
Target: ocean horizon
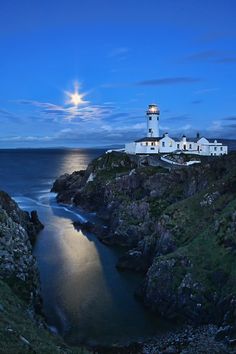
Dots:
{"x": 230, "y": 142}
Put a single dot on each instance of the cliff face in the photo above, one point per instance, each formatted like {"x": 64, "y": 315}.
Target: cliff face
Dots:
{"x": 22, "y": 330}
{"x": 17, "y": 265}
{"x": 178, "y": 224}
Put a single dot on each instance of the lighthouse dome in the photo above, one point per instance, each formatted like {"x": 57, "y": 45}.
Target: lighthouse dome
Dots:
{"x": 153, "y": 109}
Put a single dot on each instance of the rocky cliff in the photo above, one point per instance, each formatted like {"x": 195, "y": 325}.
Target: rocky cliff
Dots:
{"x": 18, "y": 268}
{"x": 178, "y": 226}
{"x": 22, "y": 330}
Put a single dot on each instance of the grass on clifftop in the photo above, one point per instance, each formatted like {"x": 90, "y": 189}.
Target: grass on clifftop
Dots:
{"x": 19, "y": 334}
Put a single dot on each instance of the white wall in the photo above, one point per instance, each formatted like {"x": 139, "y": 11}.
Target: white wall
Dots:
{"x": 167, "y": 144}
{"x": 209, "y": 149}
{"x": 152, "y": 125}
{"x": 130, "y": 148}
{"x": 217, "y": 150}
{"x": 150, "y": 148}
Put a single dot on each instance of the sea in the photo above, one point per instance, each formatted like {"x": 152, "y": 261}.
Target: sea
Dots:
{"x": 85, "y": 298}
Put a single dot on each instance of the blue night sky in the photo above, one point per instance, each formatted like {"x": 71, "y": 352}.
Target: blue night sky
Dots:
{"x": 123, "y": 55}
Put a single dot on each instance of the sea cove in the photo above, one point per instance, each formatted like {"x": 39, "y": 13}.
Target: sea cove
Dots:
{"x": 85, "y": 298}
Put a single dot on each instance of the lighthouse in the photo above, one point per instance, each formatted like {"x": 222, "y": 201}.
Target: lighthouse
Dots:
{"x": 153, "y": 114}
{"x": 153, "y": 143}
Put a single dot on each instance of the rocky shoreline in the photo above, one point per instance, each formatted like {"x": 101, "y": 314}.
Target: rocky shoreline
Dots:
{"x": 189, "y": 340}
{"x": 18, "y": 230}
{"x": 177, "y": 227}
{"x": 22, "y": 326}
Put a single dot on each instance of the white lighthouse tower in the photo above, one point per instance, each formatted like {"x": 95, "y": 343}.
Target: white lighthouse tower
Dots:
{"x": 153, "y": 114}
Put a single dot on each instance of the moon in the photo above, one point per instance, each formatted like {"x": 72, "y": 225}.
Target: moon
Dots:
{"x": 75, "y": 98}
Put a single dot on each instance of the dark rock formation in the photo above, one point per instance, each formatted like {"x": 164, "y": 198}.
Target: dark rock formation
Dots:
{"x": 185, "y": 341}
{"x": 22, "y": 329}
{"x": 17, "y": 233}
{"x": 179, "y": 225}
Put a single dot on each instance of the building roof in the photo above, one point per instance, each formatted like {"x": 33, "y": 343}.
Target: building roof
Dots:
{"x": 196, "y": 139}
{"x": 148, "y": 139}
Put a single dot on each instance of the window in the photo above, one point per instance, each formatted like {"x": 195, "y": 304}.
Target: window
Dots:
{"x": 170, "y": 143}
{"x": 152, "y": 148}
{"x": 152, "y": 144}
{"x": 146, "y": 143}
{"x": 150, "y": 130}
{"x": 163, "y": 143}
{"x": 190, "y": 146}
{"x": 221, "y": 148}
{"x": 150, "y": 118}
{"x": 215, "y": 148}
{"x": 177, "y": 146}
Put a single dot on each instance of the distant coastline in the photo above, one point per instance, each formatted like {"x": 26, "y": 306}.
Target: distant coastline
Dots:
{"x": 230, "y": 142}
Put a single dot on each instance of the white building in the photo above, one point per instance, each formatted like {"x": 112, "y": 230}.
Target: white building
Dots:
{"x": 154, "y": 144}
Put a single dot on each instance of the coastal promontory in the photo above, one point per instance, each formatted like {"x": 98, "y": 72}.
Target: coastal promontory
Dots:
{"x": 177, "y": 226}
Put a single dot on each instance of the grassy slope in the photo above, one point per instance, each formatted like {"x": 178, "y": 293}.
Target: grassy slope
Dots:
{"x": 201, "y": 240}
{"x": 16, "y": 328}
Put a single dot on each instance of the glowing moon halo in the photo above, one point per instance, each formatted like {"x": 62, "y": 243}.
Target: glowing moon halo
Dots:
{"x": 75, "y": 98}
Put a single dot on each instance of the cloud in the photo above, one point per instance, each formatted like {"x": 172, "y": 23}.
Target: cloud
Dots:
{"x": 206, "y": 90}
{"x": 230, "y": 118}
{"x": 99, "y": 134}
{"x": 219, "y": 129}
{"x": 227, "y": 60}
{"x": 24, "y": 138}
{"x": 119, "y": 115}
{"x": 54, "y": 112}
{"x": 218, "y": 35}
{"x": 181, "y": 117}
{"x": 196, "y": 101}
{"x": 119, "y": 52}
{"x": 116, "y": 84}
{"x": 182, "y": 80}
{"x": 7, "y": 114}
{"x": 37, "y": 103}
{"x": 233, "y": 126}
{"x": 168, "y": 81}
{"x": 213, "y": 56}
{"x": 206, "y": 55}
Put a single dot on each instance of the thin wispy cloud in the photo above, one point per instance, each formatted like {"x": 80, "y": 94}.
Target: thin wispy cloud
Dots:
{"x": 205, "y": 55}
{"x": 232, "y": 118}
{"x": 206, "y": 91}
{"x": 7, "y": 114}
{"x": 20, "y": 138}
{"x": 181, "y": 80}
{"x": 55, "y": 112}
{"x": 218, "y": 36}
{"x": 226, "y": 60}
{"x": 119, "y": 52}
{"x": 180, "y": 117}
{"x": 232, "y": 126}
{"x": 196, "y": 101}
{"x": 213, "y": 56}
{"x": 169, "y": 81}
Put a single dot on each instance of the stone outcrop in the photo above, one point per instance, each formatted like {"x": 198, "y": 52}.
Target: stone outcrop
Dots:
{"x": 18, "y": 230}
{"x": 178, "y": 225}
{"x": 22, "y": 329}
